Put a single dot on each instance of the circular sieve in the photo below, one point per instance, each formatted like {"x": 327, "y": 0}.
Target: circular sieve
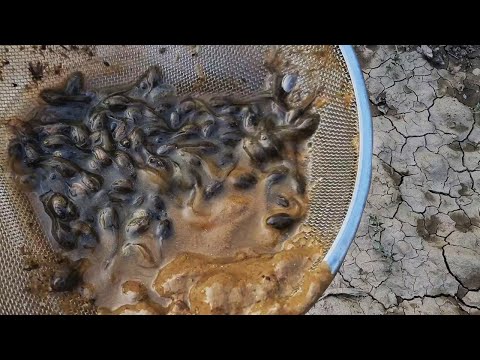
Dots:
{"x": 339, "y": 168}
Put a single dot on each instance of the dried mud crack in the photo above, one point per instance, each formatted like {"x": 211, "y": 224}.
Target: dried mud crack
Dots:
{"x": 417, "y": 250}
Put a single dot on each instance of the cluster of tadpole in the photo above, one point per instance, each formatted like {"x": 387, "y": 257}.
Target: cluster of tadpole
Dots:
{"x": 81, "y": 153}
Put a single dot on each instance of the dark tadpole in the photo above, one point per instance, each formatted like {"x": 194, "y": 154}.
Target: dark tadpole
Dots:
{"x": 68, "y": 153}
{"x": 147, "y": 82}
{"x": 23, "y": 129}
{"x": 164, "y": 229}
{"x": 55, "y": 141}
{"x": 122, "y": 186}
{"x": 103, "y": 138}
{"x": 254, "y": 150}
{"x": 186, "y": 106}
{"x": 138, "y": 201}
{"x": 307, "y": 126}
{"x": 59, "y": 207}
{"x": 79, "y": 136}
{"x": 15, "y": 151}
{"x": 158, "y": 208}
{"x": 282, "y": 201}
{"x": 119, "y": 130}
{"x": 300, "y": 183}
{"x": 160, "y": 164}
{"x": 74, "y": 84}
{"x": 213, "y": 189}
{"x": 29, "y": 181}
{"x": 101, "y": 156}
{"x": 124, "y": 163}
{"x": 63, "y": 235}
{"x": 64, "y": 167}
{"x": 137, "y": 139}
{"x": 202, "y": 147}
{"x": 276, "y": 176}
{"x": 125, "y": 143}
{"x": 209, "y": 128}
{"x": 166, "y": 149}
{"x": 226, "y": 159}
{"x": 56, "y": 98}
{"x": 270, "y": 144}
{"x": 304, "y": 128}
{"x": 92, "y": 182}
{"x": 86, "y": 236}
{"x": 140, "y": 253}
{"x": 189, "y": 131}
{"x": 231, "y": 138}
{"x": 249, "y": 120}
{"x": 245, "y": 181}
{"x": 153, "y": 129}
{"x": 66, "y": 278}
{"x": 117, "y": 103}
{"x": 280, "y": 221}
{"x": 49, "y": 115}
{"x": 139, "y": 223}
{"x": 108, "y": 218}
{"x": 32, "y": 153}
{"x": 97, "y": 121}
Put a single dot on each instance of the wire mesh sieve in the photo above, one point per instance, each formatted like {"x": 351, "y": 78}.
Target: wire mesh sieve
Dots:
{"x": 332, "y": 169}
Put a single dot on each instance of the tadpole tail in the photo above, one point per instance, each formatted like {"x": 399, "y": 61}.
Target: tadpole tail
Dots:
{"x": 114, "y": 250}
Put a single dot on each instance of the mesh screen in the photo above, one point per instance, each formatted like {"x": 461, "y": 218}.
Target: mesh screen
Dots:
{"x": 192, "y": 69}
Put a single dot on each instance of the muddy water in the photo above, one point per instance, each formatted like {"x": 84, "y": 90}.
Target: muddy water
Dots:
{"x": 168, "y": 204}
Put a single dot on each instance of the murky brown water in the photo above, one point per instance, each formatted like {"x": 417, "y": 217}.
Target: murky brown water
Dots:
{"x": 168, "y": 204}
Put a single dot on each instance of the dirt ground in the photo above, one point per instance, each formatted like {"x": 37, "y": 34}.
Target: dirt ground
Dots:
{"x": 417, "y": 250}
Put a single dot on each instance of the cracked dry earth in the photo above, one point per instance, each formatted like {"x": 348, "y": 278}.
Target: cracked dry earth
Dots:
{"x": 417, "y": 250}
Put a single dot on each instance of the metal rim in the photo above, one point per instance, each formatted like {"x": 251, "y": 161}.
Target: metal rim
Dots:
{"x": 337, "y": 252}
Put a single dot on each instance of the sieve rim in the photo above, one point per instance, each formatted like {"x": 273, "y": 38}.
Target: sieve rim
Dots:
{"x": 339, "y": 248}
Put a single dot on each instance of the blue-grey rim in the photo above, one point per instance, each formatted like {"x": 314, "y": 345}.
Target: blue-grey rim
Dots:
{"x": 337, "y": 252}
